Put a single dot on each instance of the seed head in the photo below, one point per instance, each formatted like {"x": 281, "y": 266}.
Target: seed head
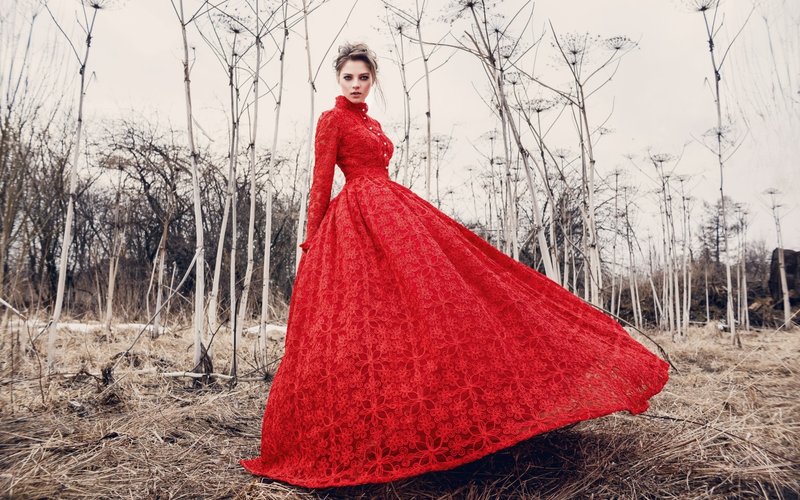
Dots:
{"x": 604, "y": 130}
{"x": 619, "y": 42}
{"x": 576, "y": 46}
{"x": 540, "y": 104}
{"x": 461, "y": 8}
{"x": 703, "y": 5}
{"x": 103, "y": 4}
{"x": 562, "y": 153}
{"x": 512, "y": 77}
{"x": 661, "y": 158}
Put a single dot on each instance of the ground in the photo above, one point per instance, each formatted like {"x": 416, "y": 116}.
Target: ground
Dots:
{"x": 726, "y": 425}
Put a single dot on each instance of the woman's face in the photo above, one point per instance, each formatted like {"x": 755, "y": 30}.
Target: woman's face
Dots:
{"x": 355, "y": 80}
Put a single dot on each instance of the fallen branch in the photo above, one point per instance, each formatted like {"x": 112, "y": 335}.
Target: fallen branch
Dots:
{"x": 3, "y": 302}
{"x": 146, "y": 371}
{"x": 209, "y": 375}
{"x": 788, "y": 321}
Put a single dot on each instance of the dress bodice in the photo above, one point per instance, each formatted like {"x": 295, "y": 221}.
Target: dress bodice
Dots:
{"x": 346, "y": 136}
{"x": 361, "y": 142}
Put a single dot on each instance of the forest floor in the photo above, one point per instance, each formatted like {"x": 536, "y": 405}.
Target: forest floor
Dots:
{"x": 725, "y": 426}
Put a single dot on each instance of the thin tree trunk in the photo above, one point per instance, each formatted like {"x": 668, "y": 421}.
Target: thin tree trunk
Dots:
{"x": 112, "y": 279}
{"x": 729, "y": 290}
{"x": 113, "y": 264}
{"x": 162, "y": 257}
{"x": 739, "y": 293}
{"x": 666, "y": 299}
{"x": 746, "y": 309}
{"x": 248, "y": 274}
{"x": 586, "y": 263}
{"x": 262, "y": 327}
{"x": 232, "y": 186}
{"x": 708, "y": 307}
{"x": 213, "y": 307}
{"x": 589, "y": 206}
{"x": 657, "y": 312}
{"x": 638, "y": 302}
{"x": 200, "y": 264}
{"x": 544, "y": 248}
{"x": 66, "y": 241}
{"x": 687, "y": 270}
{"x": 171, "y": 289}
{"x": 787, "y": 307}
{"x": 400, "y": 50}
{"x": 309, "y": 139}
{"x": 613, "y": 269}
{"x": 428, "y": 105}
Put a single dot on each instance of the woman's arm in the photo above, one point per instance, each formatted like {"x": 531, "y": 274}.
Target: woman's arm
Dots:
{"x": 325, "y": 147}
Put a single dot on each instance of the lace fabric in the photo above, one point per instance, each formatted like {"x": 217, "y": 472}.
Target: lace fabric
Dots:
{"x": 345, "y": 135}
{"x": 413, "y": 345}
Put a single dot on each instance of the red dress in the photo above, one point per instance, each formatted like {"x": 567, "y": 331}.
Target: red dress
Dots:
{"x": 413, "y": 345}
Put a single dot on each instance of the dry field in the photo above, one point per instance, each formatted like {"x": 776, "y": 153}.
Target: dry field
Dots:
{"x": 725, "y": 426}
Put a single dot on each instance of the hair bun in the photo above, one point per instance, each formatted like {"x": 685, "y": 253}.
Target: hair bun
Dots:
{"x": 356, "y": 51}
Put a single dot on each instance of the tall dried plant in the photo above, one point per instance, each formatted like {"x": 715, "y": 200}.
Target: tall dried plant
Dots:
{"x": 258, "y": 32}
{"x": 397, "y": 27}
{"x": 413, "y": 20}
{"x": 709, "y": 9}
{"x": 198, "y": 323}
{"x": 261, "y": 350}
{"x": 87, "y": 26}
{"x": 787, "y": 305}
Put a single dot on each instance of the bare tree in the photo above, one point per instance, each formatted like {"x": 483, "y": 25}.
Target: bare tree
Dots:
{"x": 414, "y": 20}
{"x": 636, "y": 304}
{"x": 741, "y": 268}
{"x": 21, "y": 116}
{"x": 397, "y": 26}
{"x": 258, "y": 33}
{"x": 230, "y": 55}
{"x": 497, "y": 51}
{"x": 312, "y": 82}
{"x": 686, "y": 237}
{"x": 574, "y": 50}
{"x": 272, "y": 164}
{"x": 787, "y": 305}
{"x": 88, "y": 27}
{"x": 117, "y": 245}
{"x": 200, "y": 261}
{"x": 706, "y": 8}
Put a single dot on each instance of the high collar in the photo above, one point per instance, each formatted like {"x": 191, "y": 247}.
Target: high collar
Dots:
{"x": 345, "y": 103}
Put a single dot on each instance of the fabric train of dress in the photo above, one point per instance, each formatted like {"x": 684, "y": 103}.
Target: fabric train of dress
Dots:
{"x": 413, "y": 345}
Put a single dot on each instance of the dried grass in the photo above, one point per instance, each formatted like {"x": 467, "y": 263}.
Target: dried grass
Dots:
{"x": 726, "y": 426}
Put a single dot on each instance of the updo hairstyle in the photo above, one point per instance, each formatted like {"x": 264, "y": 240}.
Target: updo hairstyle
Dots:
{"x": 358, "y": 52}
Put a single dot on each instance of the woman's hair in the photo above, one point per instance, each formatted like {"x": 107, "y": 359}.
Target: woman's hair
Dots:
{"x": 358, "y": 52}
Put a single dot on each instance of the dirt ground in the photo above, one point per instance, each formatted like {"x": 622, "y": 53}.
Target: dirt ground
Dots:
{"x": 725, "y": 426}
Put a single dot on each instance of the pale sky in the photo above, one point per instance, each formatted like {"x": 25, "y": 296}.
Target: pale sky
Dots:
{"x": 659, "y": 99}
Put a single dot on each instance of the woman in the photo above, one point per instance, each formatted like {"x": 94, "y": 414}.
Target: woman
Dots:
{"x": 412, "y": 344}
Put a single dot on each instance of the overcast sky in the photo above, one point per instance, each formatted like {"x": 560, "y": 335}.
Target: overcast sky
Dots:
{"x": 660, "y": 98}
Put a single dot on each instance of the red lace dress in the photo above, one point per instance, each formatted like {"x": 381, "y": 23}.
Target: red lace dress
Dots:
{"x": 414, "y": 345}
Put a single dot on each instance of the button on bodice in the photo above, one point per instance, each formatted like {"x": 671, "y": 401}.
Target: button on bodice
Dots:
{"x": 362, "y": 143}
{"x": 346, "y": 136}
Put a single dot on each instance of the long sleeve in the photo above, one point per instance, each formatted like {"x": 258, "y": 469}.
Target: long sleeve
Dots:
{"x": 325, "y": 148}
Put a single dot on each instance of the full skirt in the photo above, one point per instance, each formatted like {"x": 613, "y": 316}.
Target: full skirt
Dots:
{"x": 413, "y": 345}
